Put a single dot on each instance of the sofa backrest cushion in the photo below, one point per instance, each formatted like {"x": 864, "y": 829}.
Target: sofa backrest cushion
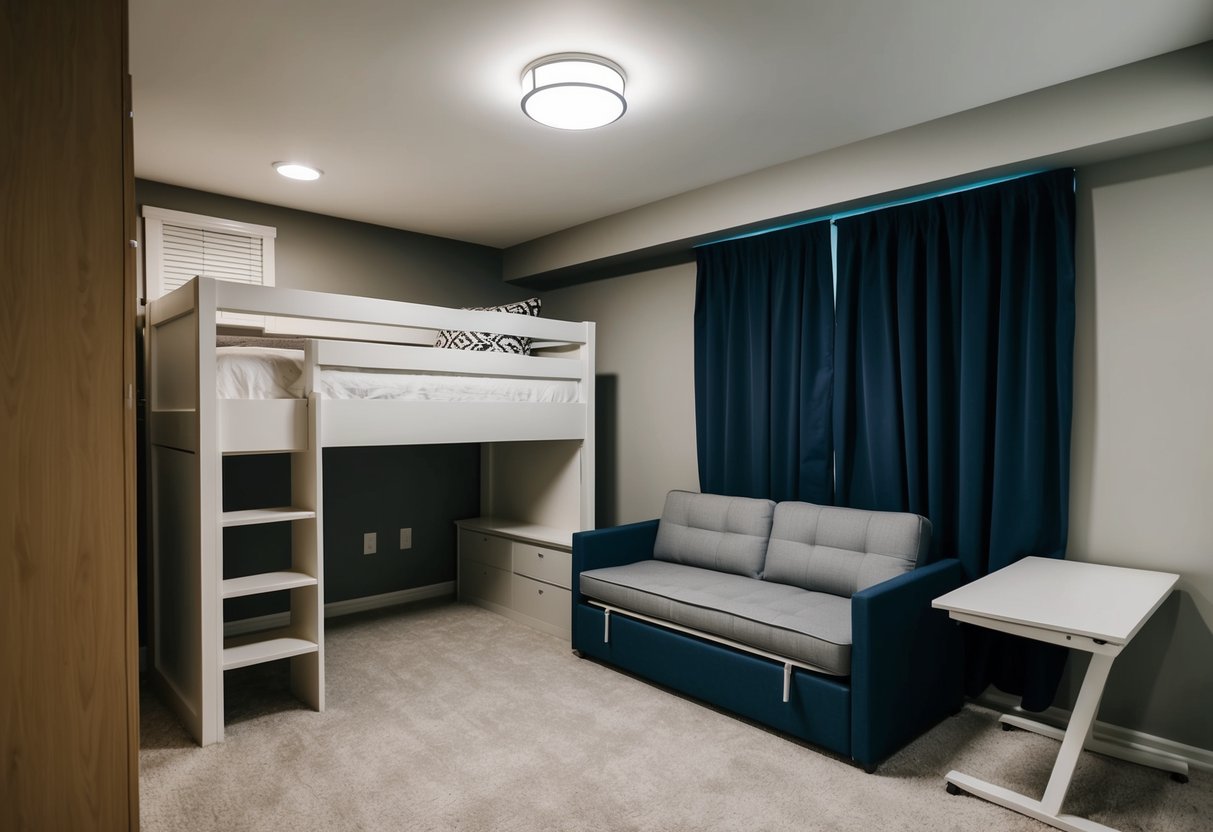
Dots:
{"x": 842, "y": 550}
{"x": 711, "y": 531}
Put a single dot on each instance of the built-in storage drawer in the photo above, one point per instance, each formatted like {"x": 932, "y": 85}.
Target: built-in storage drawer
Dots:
{"x": 544, "y": 602}
{"x": 520, "y": 570}
{"x": 485, "y": 583}
{"x": 484, "y": 548}
{"x": 543, "y": 564}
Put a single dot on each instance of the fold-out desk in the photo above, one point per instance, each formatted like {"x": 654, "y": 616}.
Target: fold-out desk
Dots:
{"x": 1084, "y": 606}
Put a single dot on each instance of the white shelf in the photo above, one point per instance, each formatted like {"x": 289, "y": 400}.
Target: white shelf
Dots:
{"x": 265, "y": 582}
{"x": 250, "y": 517}
{"x": 268, "y": 650}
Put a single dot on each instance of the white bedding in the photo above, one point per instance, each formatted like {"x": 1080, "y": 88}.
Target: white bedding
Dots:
{"x": 265, "y": 373}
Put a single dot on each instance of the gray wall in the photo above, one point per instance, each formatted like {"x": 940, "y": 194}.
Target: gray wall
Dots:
{"x": 327, "y": 254}
{"x": 1142, "y": 490}
{"x": 382, "y": 490}
{"x": 645, "y": 430}
{"x": 1142, "y": 461}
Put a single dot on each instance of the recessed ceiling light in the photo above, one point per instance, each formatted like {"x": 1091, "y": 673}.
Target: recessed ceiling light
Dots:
{"x": 573, "y": 91}
{"x": 294, "y": 170}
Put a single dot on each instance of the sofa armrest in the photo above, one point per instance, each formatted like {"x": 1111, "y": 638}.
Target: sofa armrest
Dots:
{"x": 600, "y": 548}
{"x": 906, "y": 662}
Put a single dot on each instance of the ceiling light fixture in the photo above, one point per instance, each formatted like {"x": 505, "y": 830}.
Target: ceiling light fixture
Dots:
{"x": 573, "y": 91}
{"x": 294, "y": 170}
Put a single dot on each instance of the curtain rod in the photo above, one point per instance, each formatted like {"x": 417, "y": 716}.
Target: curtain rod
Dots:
{"x": 877, "y": 207}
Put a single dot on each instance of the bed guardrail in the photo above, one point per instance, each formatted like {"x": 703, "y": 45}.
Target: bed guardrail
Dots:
{"x": 246, "y": 425}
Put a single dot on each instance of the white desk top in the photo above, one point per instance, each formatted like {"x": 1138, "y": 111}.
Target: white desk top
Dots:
{"x": 1109, "y": 603}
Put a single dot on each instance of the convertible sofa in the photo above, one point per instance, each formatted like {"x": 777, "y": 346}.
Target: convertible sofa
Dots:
{"x": 813, "y": 620}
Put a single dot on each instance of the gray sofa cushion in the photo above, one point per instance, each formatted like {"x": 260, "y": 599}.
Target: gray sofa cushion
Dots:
{"x": 811, "y": 627}
{"x": 842, "y": 550}
{"x": 728, "y": 534}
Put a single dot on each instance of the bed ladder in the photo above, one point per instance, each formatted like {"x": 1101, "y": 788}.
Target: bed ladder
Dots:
{"x": 302, "y": 639}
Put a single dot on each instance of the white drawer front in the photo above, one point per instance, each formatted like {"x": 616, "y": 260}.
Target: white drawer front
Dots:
{"x": 487, "y": 583}
{"x": 484, "y": 548}
{"x": 544, "y": 602}
{"x": 543, "y": 564}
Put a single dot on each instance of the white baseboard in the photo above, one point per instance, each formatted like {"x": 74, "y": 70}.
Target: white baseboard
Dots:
{"x": 1196, "y": 758}
{"x": 337, "y": 608}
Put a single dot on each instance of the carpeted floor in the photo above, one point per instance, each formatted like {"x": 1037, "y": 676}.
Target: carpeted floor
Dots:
{"x": 448, "y": 717}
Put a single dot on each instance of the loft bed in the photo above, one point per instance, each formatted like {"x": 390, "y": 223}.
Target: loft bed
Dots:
{"x": 359, "y": 372}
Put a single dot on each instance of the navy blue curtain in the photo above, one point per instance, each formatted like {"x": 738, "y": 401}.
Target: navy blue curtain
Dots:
{"x": 953, "y": 385}
{"x": 764, "y": 339}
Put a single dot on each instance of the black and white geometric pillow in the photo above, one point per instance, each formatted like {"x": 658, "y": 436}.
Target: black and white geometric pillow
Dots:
{"x": 458, "y": 339}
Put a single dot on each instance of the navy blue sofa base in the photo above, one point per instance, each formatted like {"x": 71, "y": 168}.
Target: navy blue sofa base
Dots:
{"x": 905, "y": 660}
{"x": 818, "y": 710}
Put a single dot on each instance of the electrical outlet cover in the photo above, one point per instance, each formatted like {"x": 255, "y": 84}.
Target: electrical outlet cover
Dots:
{"x": 406, "y": 539}
{"x": 369, "y": 542}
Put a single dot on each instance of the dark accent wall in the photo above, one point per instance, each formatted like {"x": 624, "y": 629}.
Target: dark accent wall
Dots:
{"x": 384, "y": 489}
{"x": 425, "y": 488}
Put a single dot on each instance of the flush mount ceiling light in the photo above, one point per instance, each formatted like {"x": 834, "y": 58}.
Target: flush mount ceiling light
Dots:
{"x": 573, "y": 91}
{"x": 294, "y": 170}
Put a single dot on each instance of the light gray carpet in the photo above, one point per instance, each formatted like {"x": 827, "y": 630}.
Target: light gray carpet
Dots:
{"x": 447, "y": 716}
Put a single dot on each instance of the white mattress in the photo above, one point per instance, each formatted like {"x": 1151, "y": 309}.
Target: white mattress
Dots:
{"x": 265, "y": 373}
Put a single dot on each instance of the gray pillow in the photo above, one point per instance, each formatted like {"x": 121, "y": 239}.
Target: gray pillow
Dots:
{"x": 842, "y": 550}
{"x": 711, "y": 531}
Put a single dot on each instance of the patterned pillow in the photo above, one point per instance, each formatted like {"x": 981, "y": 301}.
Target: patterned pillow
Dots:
{"x": 457, "y": 339}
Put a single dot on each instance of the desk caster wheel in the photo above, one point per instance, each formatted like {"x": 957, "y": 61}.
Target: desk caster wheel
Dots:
{"x": 1007, "y": 726}
{"x": 954, "y": 789}
{"x": 869, "y": 769}
{"x": 1179, "y": 778}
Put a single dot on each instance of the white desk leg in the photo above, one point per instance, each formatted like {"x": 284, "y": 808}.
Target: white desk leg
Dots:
{"x": 1077, "y": 732}
{"x": 1048, "y": 808}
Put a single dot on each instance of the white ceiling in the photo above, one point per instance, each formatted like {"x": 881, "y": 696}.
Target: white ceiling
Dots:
{"x": 411, "y": 107}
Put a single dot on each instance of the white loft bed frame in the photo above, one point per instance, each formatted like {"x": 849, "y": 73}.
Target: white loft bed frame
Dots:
{"x": 190, "y": 429}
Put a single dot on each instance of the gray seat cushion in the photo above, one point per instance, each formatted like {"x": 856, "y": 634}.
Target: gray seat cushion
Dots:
{"x": 728, "y": 534}
{"x": 842, "y": 550}
{"x": 810, "y": 627}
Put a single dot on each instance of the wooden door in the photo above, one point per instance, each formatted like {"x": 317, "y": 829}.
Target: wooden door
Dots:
{"x": 68, "y": 700}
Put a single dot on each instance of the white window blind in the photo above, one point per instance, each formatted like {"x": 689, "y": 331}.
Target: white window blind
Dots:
{"x": 198, "y": 251}
{"x": 178, "y": 246}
